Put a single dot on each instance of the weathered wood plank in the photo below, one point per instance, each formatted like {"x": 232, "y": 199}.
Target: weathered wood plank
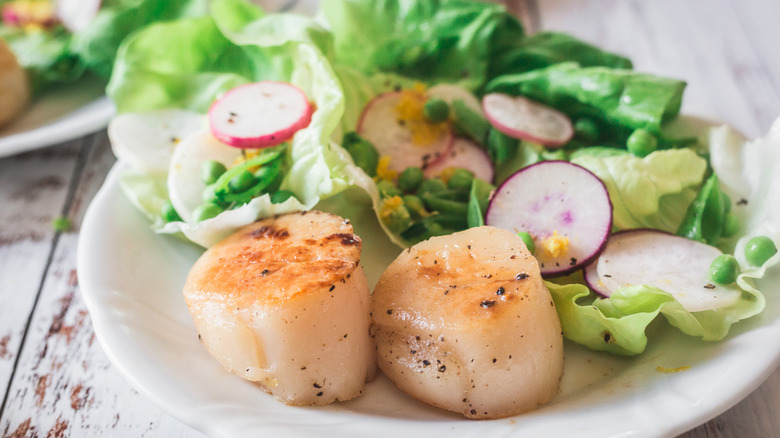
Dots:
{"x": 33, "y": 190}
{"x": 64, "y": 384}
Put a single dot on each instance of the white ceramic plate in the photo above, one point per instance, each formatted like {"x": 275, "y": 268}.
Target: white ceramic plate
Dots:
{"x": 131, "y": 281}
{"x": 59, "y": 115}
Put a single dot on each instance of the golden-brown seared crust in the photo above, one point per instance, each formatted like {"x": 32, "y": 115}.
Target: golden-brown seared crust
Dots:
{"x": 277, "y": 259}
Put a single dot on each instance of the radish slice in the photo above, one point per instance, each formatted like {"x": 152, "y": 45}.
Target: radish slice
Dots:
{"x": 261, "y": 114}
{"x": 147, "y": 140}
{"x": 527, "y": 120}
{"x": 671, "y": 263}
{"x": 467, "y": 155}
{"x": 450, "y": 93}
{"x": 185, "y": 186}
{"x": 379, "y": 124}
{"x": 564, "y": 207}
{"x": 76, "y": 15}
{"x": 591, "y": 275}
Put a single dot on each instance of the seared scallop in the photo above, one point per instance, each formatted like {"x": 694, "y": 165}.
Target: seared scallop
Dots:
{"x": 14, "y": 86}
{"x": 464, "y": 322}
{"x": 284, "y": 303}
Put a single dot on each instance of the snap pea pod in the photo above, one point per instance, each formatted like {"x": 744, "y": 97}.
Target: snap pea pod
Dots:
{"x": 444, "y": 206}
{"x": 222, "y": 186}
{"x": 265, "y": 177}
{"x": 469, "y": 122}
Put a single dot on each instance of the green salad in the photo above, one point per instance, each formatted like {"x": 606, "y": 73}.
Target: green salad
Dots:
{"x": 436, "y": 109}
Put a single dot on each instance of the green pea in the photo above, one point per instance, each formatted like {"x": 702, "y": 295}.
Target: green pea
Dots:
{"x": 204, "y": 211}
{"x": 387, "y": 189}
{"x": 460, "y": 180}
{"x": 363, "y": 153}
{"x": 730, "y": 226}
{"x": 759, "y": 249}
{"x": 211, "y": 170}
{"x": 415, "y": 206}
{"x": 281, "y": 196}
{"x": 436, "y": 110}
{"x": 641, "y": 143}
{"x": 586, "y": 130}
{"x": 724, "y": 269}
{"x": 241, "y": 182}
{"x": 433, "y": 185}
{"x": 529, "y": 242}
{"x": 168, "y": 213}
{"x": 397, "y": 218}
{"x": 410, "y": 179}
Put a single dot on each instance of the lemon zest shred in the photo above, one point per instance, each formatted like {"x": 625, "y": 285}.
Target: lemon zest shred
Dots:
{"x": 671, "y": 370}
{"x": 383, "y": 170}
{"x": 556, "y": 245}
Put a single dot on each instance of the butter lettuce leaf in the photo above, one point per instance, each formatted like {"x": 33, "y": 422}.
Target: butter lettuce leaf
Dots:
{"x": 238, "y": 43}
{"x": 650, "y": 192}
{"x": 618, "y": 100}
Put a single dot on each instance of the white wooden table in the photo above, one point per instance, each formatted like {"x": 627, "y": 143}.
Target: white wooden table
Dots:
{"x": 56, "y": 381}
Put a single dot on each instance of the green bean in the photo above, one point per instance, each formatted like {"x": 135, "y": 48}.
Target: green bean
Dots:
{"x": 460, "y": 180}
{"x": 387, "y": 189}
{"x": 759, "y": 249}
{"x": 501, "y": 148}
{"x": 469, "y": 122}
{"x": 281, "y": 195}
{"x": 436, "y": 110}
{"x": 641, "y": 143}
{"x": 444, "y": 206}
{"x": 206, "y": 211}
{"x": 724, "y": 269}
{"x": 415, "y": 206}
{"x": 410, "y": 179}
{"x": 211, "y": 170}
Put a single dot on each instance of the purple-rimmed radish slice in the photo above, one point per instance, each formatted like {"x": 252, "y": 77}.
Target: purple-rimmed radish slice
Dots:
{"x": 591, "y": 275}
{"x": 564, "y": 207}
{"x": 381, "y": 124}
{"x": 467, "y": 155}
{"x": 261, "y": 114}
{"x": 525, "y": 119}
{"x": 671, "y": 263}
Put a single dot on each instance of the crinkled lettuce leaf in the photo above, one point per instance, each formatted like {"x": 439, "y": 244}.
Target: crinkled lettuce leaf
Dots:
{"x": 97, "y": 44}
{"x": 434, "y": 41}
{"x": 619, "y": 100}
{"x": 747, "y": 173}
{"x": 238, "y": 44}
{"x": 650, "y": 192}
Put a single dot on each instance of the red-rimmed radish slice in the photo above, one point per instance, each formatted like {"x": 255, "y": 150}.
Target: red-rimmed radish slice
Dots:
{"x": 671, "y": 263}
{"x": 564, "y": 207}
{"x": 77, "y": 14}
{"x": 261, "y": 114}
{"x": 591, "y": 275}
{"x": 379, "y": 124}
{"x": 450, "y": 93}
{"x": 467, "y": 155}
{"x": 527, "y": 120}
